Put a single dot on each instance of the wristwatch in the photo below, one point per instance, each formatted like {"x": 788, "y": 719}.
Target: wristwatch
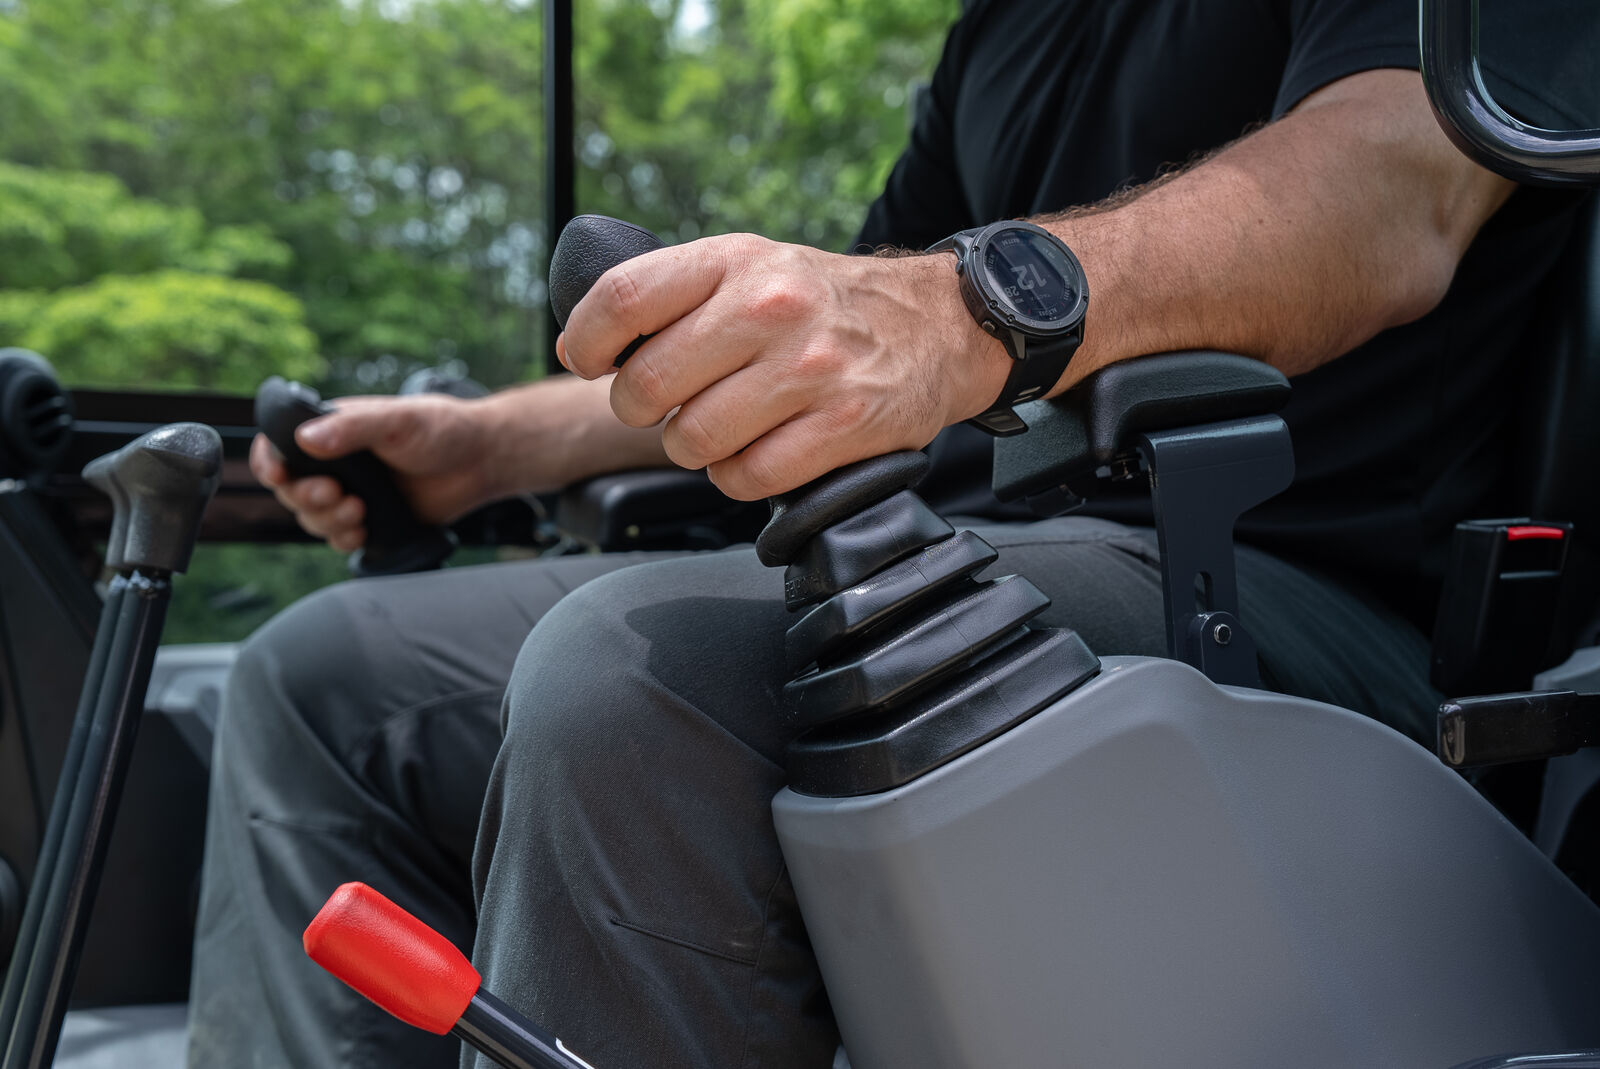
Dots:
{"x": 1024, "y": 286}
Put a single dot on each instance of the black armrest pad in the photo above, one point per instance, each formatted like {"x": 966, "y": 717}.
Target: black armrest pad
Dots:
{"x": 1071, "y": 436}
{"x": 655, "y": 508}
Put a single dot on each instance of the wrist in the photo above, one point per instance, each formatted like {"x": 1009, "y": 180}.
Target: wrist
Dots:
{"x": 494, "y": 446}
{"x": 976, "y": 363}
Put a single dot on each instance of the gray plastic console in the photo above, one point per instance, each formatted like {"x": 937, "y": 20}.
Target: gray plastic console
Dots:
{"x": 1159, "y": 871}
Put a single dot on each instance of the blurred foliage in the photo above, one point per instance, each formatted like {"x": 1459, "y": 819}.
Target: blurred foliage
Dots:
{"x": 172, "y": 328}
{"x": 776, "y": 116}
{"x": 231, "y": 589}
{"x": 199, "y": 193}
{"x": 381, "y": 160}
{"x": 122, "y": 291}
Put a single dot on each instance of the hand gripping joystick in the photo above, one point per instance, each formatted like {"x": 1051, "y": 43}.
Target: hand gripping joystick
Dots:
{"x": 159, "y": 486}
{"x": 589, "y": 246}
{"x": 397, "y": 541}
{"x": 903, "y": 660}
{"x": 413, "y": 972}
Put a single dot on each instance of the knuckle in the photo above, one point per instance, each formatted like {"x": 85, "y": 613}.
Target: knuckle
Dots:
{"x": 621, "y": 291}
{"x": 819, "y": 362}
{"x": 781, "y": 300}
{"x": 647, "y": 386}
{"x": 760, "y": 477}
{"x": 404, "y": 425}
{"x": 691, "y": 441}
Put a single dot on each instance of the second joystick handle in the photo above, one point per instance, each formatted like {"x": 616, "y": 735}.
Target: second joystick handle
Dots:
{"x": 397, "y": 541}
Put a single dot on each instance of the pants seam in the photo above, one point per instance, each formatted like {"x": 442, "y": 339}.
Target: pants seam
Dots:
{"x": 687, "y": 944}
{"x": 755, "y": 965}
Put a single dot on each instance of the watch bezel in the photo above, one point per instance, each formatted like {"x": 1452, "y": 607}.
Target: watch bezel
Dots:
{"x": 998, "y": 309}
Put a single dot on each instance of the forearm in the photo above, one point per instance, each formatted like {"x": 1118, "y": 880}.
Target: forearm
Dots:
{"x": 1293, "y": 245}
{"x": 547, "y": 434}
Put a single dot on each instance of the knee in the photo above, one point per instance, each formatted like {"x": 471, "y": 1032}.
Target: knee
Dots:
{"x": 650, "y": 665}
{"x": 571, "y": 678}
{"x": 285, "y": 682}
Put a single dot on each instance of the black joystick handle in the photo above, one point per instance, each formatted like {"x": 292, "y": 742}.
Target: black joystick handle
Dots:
{"x": 589, "y": 246}
{"x": 159, "y": 484}
{"x": 901, "y": 658}
{"x": 397, "y": 541}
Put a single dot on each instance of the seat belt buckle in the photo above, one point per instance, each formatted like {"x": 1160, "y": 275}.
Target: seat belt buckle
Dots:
{"x": 1497, "y": 612}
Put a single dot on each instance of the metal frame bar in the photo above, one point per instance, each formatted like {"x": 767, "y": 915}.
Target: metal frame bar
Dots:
{"x": 559, "y": 152}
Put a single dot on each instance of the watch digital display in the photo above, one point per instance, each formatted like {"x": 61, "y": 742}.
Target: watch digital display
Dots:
{"x": 1029, "y": 272}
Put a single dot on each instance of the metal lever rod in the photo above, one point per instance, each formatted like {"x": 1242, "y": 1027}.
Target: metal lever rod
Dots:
{"x": 160, "y": 485}
{"x": 55, "y": 828}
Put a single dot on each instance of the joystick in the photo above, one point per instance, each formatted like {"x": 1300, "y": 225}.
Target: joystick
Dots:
{"x": 902, "y": 658}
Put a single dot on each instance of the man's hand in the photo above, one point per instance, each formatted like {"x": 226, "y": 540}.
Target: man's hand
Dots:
{"x": 774, "y": 364}
{"x": 434, "y": 444}
{"x": 1293, "y": 245}
{"x": 450, "y": 456}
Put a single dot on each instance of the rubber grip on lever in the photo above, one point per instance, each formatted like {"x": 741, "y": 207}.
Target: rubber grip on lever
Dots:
{"x": 397, "y": 541}
{"x": 589, "y": 246}
{"x": 393, "y": 959}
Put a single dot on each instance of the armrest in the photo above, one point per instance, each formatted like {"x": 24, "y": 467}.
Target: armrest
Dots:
{"x": 1099, "y": 421}
{"x": 661, "y": 508}
{"x": 1202, "y": 424}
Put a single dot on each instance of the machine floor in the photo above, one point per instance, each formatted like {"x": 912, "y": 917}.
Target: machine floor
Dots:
{"x": 124, "y": 1037}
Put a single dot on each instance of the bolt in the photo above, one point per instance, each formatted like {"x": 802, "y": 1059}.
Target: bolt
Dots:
{"x": 1222, "y": 634}
{"x": 1124, "y": 468}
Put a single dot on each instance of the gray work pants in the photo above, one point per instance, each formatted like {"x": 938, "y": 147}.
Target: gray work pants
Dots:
{"x": 602, "y": 836}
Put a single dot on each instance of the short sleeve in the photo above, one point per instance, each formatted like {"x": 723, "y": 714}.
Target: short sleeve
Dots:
{"x": 1540, "y": 58}
{"x": 1332, "y": 39}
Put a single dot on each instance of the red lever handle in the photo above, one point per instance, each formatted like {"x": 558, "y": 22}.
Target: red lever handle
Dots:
{"x": 392, "y": 958}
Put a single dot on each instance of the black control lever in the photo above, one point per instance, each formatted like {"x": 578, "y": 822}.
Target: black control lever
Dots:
{"x": 589, "y": 246}
{"x": 397, "y": 541}
{"x": 1499, "y": 728}
{"x": 159, "y": 485}
{"x": 900, "y": 658}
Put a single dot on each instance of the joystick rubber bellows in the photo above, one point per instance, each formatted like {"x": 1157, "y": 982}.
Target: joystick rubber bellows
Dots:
{"x": 902, "y": 659}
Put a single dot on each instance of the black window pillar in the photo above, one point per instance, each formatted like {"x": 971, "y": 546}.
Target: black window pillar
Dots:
{"x": 560, "y": 204}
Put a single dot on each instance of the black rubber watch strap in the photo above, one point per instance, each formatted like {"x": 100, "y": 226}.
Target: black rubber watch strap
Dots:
{"x": 1031, "y": 377}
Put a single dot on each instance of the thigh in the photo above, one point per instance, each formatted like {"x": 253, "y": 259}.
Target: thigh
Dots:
{"x": 388, "y": 689}
{"x": 710, "y": 628}
{"x": 644, "y": 911}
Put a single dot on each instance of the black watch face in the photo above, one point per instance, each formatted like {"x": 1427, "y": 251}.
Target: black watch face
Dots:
{"x": 1030, "y": 273}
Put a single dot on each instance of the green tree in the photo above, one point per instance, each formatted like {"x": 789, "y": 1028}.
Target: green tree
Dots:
{"x": 396, "y": 147}
{"x": 121, "y": 291}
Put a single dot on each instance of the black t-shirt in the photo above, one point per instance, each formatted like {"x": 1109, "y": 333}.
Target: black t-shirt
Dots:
{"x": 1039, "y": 106}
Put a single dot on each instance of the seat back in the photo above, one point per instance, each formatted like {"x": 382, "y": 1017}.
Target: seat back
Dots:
{"x": 1558, "y": 445}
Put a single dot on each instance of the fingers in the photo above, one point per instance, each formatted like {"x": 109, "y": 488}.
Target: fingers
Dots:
{"x": 338, "y": 520}
{"x": 791, "y": 455}
{"x": 265, "y": 463}
{"x": 767, "y": 317}
{"x": 359, "y": 423}
{"x": 641, "y": 296}
{"x": 319, "y": 503}
{"x": 732, "y": 413}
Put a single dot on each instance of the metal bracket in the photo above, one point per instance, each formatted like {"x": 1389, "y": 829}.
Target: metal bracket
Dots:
{"x": 1201, "y": 480}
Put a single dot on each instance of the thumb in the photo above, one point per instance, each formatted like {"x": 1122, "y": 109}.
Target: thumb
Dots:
{"x": 357, "y": 423}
